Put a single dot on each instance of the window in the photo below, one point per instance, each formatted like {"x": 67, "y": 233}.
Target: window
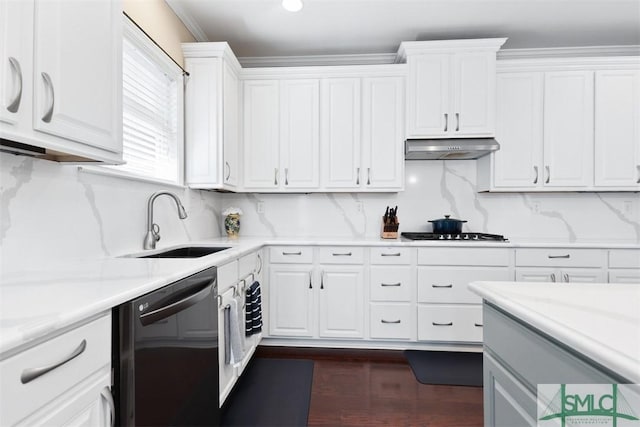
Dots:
{"x": 152, "y": 109}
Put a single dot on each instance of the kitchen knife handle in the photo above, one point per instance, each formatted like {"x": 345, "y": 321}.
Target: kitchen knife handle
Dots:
{"x": 548, "y": 170}
{"x": 535, "y": 169}
{"x": 15, "y": 68}
{"x": 275, "y": 176}
{"x": 286, "y": 176}
{"x": 442, "y": 324}
{"x": 457, "y": 122}
{"x": 446, "y": 122}
{"x": 368, "y": 176}
{"x": 49, "y": 84}
{"x": 357, "y": 176}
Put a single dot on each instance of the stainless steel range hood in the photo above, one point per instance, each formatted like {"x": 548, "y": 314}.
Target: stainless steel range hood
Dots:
{"x": 453, "y": 149}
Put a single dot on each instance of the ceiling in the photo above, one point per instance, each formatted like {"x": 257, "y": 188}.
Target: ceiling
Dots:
{"x": 261, "y": 28}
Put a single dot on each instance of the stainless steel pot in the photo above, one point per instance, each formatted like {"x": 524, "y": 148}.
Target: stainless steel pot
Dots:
{"x": 447, "y": 225}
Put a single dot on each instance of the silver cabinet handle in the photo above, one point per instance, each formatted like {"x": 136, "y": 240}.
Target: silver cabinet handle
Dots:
{"x": 567, "y": 256}
{"x": 15, "y": 68}
{"x": 638, "y": 169}
{"x": 442, "y": 286}
{"x": 446, "y": 122}
{"x": 342, "y": 254}
{"x": 106, "y": 395}
{"x": 535, "y": 169}
{"x": 548, "y": 171}
{"x": 49, "y": 84}
{"x": 357, "y": 176}
{"x": 390, "y": 321}
{"x": 275, "y": 176}
{"x": 566, "y": 277}
{"x": 322, "y": 280}
{"x": 172, "y": 308}
{"x": 259, "y": 270}
{"x": 286, "y": 176}
{"x": 457, "y": 122}
{"x": 553, "y": 277}
{"x": 368, "y": 176}
{"x": 390, "y": 284}
{"x": 393, "y": 254}
{"x": 478, "y": 325}
{"x": 228, "y": 166}
{"x": 292, "y": 253}
{"x": 310, "y": 284}
{"x": 442, "y": 324}
{"x": 31, "y": 374}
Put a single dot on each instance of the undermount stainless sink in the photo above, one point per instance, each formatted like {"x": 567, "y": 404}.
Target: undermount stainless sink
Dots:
{"x": 185, "y": 252}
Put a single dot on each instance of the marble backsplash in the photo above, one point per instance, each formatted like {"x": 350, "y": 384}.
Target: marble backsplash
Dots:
{"x": 436, "y": 188}
{"x": 50, "y": 211}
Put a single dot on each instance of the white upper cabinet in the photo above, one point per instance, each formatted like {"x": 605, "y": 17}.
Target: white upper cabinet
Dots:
{"x": 340, "y": 132}
{"x": 568, "y": 129}
{"x": 382, "y": 133}
{"x": 617, "y": 129}
{"x": 451, "y": 88}
{"x": 300, "y": 134}
{"x": 75, "y": 80}
{"x": 212, "y": 123}
{"x": 261, "y": 134}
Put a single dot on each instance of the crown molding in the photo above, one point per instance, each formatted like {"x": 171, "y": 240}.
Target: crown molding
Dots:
{"x": 211, "y": 50}
{"x": 570, "y": 52}
{"x": 187, "y": 20}
{"x": 317, "y": 60}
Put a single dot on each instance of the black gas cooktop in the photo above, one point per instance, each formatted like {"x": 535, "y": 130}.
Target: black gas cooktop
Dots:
{"x": 463, "y": 237}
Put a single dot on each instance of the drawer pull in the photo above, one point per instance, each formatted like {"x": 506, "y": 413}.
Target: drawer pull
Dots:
{"x": 393, "y": 254}
{"x": 390, "y": 321}
{"x": 17, "y": 71}
{"x": 291, "y": 253}
{"x": 567, "y": 256}
{"x": 442, "y": 324}
{"x": 442, "y": 286}
{"x": 478, "y": 325}
{"x": 106, "y": 395}
{"x": 31, "y": 374}
{"x": 391, "y": 284}
{"x": 343, "y": 254}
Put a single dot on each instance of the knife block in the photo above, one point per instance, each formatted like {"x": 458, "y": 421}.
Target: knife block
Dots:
{"x": 389, "y": 230}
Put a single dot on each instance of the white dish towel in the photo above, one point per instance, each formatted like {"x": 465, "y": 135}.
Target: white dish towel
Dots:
{"x": 235, "y": 339}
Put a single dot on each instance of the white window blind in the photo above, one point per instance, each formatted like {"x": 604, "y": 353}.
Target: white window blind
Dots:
{"x": 152, "y": 109}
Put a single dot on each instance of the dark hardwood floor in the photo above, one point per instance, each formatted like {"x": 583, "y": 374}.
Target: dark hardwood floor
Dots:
{"x": 377, "y": 388}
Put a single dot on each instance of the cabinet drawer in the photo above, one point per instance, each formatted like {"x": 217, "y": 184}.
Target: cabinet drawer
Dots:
{"x": 391, "y": 283}
{"x": 248, "y": 264}
{"x": 391, "y": 255}
{"x": 450, "y": 285}
{"x": 560, "y": 257}
{"x": 19, "y": 400}
{"x": 624, "y": 258}
{"x": 341, "y": 255}
{"x": 464, "y": 256}
{"x": 291, "y": 254}
{"x": 450, "y": 323}
{"x": 390, "y": 321}
{"x": 227, "y": 276}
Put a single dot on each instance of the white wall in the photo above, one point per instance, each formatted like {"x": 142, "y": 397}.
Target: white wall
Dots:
{"x": 54, "y": 211}
{"x": 435, "y": 188}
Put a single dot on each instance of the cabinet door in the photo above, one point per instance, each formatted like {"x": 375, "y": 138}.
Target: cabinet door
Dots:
{"x": 78, "y": 71}
{"x": 428, "y": 96}
{"x": 261, "y": 134}
{"x": 383, "y": 133}
{"x": 617, "y": 129}
{"x": 231, "y": 125}
{"x": 537, "y": 275}
{"x": 16, "y": 45}
{"x": 624, "y": 275}
{"x": 300, "y": 134}
{"x": 341, "y": 302}
{"x": 568, "y": 129}
{"x": 291, "y": 300}
{"x": 474, "y": 94}
{"x": 582, "y": 275}
{"x": 340, "y": 133}
{"x": 519, "y": 127}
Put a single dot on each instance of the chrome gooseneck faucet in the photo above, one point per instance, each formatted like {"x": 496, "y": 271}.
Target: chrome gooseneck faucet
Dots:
{"x": 153, "y": 230}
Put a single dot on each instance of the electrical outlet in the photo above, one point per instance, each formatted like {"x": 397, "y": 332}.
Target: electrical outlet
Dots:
{"x": 260, "y": 207}
{"x": 359, "y": 206}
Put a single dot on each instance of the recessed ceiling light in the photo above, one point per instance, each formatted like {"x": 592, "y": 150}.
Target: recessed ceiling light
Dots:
{"x": 292, "y": 5}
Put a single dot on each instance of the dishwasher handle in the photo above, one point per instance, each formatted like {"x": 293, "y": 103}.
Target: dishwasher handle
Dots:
{"x": 177, "y": 306}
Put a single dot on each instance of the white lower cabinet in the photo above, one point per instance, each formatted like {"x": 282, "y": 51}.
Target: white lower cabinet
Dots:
{"x": 74, "y": 387}
{"x": 341, "y": 302}
{"x": 391, "y": 321}
{"x": 561, "y": 275}
{"x": 561, "y": 265}
{"x": 450, "y": 322}
{"x": 291, "y": 301}
{"x": 624, "y": 266}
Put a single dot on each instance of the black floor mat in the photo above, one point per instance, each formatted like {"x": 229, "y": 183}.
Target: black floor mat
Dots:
{"x": 443, "y": 367}
{"x": 271, "y": 392}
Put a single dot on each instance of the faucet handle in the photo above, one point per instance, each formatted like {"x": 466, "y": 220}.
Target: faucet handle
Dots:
{"x": 155, "y": 229}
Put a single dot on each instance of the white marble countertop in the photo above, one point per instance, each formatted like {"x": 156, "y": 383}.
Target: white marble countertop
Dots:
{"x": 599, "y": 320}
{"x": 37, "y": 301}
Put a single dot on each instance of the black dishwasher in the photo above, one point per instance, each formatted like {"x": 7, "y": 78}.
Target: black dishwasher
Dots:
{"x": 165, "y": 350}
